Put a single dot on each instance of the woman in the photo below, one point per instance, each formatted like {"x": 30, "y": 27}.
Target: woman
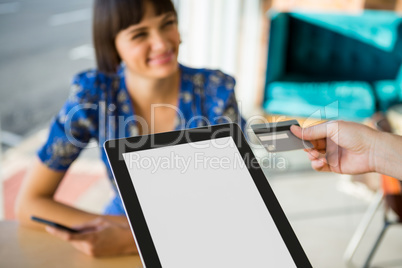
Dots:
{"x": 137, "y": 88}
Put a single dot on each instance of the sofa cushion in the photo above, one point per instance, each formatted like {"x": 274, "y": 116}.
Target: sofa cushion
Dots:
{"x": 352, "y": 100}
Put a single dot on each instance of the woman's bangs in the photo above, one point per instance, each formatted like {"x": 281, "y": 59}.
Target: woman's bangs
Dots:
{"x": 130, "y": 12}
{"x": 127, "y": 13}
{"x": 163, "y": 6}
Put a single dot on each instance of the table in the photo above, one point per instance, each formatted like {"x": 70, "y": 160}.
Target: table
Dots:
{"x": 23, "y": 247}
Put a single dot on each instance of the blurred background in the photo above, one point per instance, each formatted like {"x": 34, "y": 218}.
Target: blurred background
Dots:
{"x": 312, "y": 60}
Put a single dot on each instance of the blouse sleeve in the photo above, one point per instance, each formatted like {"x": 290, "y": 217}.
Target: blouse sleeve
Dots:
{"x": 73, "y": 127}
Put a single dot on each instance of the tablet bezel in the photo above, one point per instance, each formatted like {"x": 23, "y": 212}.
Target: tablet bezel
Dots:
{"x": 145, "y": 245}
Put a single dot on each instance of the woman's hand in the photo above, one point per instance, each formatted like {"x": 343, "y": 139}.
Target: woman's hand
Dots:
{"x": 99, "y": 238}
{"x": 341, "y": 147}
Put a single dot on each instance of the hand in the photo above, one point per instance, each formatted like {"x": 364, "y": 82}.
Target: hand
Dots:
{"x": 341, "y": 147}
{"x": 99, "y": 238}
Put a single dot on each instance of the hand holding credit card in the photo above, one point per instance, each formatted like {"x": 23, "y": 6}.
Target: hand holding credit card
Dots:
{"x": 277, "y": 137}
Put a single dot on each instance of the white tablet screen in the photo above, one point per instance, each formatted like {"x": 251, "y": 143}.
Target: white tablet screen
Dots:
{"x": 203, "y": 209}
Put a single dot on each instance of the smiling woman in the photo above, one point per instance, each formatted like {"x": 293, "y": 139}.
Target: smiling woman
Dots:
{"x": 137, "y": 88}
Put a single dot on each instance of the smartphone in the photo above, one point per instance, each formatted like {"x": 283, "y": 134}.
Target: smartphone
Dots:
{"x": 55, "y": 225}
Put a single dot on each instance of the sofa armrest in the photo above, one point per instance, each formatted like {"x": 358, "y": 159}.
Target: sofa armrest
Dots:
{"x": 277, "y": 48}
{"x": 388, "y": 93}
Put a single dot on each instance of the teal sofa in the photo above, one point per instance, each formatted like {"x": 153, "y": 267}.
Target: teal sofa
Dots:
{"x": 333, "y": 66}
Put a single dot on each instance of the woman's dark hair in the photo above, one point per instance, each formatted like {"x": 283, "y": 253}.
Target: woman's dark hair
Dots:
{"x": 112, "y": 16}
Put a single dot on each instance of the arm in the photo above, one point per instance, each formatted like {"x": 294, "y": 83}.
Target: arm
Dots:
{"x": 103, "y": 235}
{"x": 70, "y": 132}
{"x": 36, "y": 198}
{"x": 352, "y": 148}
{"x": 388, "y": 155}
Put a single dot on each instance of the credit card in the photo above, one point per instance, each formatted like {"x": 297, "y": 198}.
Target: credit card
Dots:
{"x": 277, "y": 137}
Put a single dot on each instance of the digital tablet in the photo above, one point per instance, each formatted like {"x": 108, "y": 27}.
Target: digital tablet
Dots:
{"x": 198, "y": 198}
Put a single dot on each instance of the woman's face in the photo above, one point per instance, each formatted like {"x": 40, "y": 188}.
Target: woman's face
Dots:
{"x": 150, "y": 48}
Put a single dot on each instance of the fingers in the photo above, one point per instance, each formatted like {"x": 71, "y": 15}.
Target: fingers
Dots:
{"x": 83, "y": 242}
{"x": 90, "y": 224}
{"x": 106, "y": 238}
{"x": 320, "y": 165}
{"x": 86, "y": 248}
{"x": 318, "y": 159}
{"x": 313, "y": 154}
{"x": 318, "y": 144}
{"x": 68, "y": 236}
{"x": 86, "y": 230}
{"x": 64, "y": 235}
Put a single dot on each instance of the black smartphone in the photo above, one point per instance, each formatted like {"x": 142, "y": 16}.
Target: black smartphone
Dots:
{"x": 53, "y": 224}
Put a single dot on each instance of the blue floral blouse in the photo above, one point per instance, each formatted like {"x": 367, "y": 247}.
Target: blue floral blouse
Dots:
{"x": 99, "y": 107}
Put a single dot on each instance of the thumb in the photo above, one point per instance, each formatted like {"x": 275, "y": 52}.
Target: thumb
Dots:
{"x": 90, "y": 225}
{"x": 316, "y": 132}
